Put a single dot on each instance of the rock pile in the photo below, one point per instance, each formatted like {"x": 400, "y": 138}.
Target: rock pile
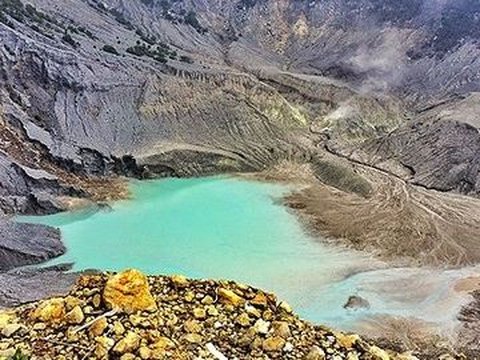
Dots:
{"x": 130, "y": 316}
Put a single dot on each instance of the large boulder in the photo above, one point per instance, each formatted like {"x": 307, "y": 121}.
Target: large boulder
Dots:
{"x": 20, "y": 286}
{"x": 27, "y": 244}
{"x": 129, "y": 292}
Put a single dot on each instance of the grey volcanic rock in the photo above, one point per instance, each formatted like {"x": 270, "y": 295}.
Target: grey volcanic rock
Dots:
{"x": 355, "y": 302}
{"x": 27, "y": 190}
{"x": 26, "y": 285}
{"x": 441, "y": 155}
{"x": 238, "y": 86}
{"x": 27, "y": 244}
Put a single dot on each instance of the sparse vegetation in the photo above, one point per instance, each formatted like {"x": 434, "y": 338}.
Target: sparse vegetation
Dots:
{"x": 110, "y": 49}
{"x": 39, "y": 21}
{"x": 19, "y": 356}
{"x": 191, "y": 19}
{"x": 186, "y": 59}
{"x": 161, "y": 52}
{"x": 67, "y": 38}
{"x": 122, "y": 19}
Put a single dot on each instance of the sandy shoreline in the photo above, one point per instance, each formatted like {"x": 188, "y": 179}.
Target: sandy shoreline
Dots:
{"x": 354, "y": 221}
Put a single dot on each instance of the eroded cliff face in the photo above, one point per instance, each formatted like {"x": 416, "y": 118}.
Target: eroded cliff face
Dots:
{"x": 188, "y": 88}
{"x": 194, "y": 87}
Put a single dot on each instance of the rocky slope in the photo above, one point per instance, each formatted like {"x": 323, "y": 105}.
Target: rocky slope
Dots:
{"x": 127, "y": 316}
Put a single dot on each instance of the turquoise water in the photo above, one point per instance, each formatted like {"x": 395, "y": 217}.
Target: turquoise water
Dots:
{"x": 230, "y": 228}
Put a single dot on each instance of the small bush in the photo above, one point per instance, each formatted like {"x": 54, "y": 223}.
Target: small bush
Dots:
{"x": 110, "y": 49}
{"x": 67, "y": 38}
{"x": 186, "y": 59}
{"x": 19, "y": 356}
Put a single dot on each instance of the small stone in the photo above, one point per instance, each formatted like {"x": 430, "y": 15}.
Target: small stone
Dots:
{"x": 145, "y": 353}
{"x": 261, "y": 326}
{"x": 163, "y": 343}
{"x": 128, "y": 344}
{"x": 315, "y": 353}
{"x": 199, "y": 313}
{"x": 282, "y": 329}
{"x": 5, "y": 319}
{"x": 243, "y": 320}
{"x": 217, "y": 325}
{"x": 39, "y": 326}
{"x": 50, "y": 311}
{"x": 179, "y": 281}
{"x": 75, "y": 316}
{"x": 192, "y": 326}
{"x": 285, "y": 307}
{"x": 72, "y": 336}
{"x": 71, "y": 302}
{"x": 378, "y": 354}
{"x": 347, "y": 341}
{"x": 7, "y": 353}
{"x": 212, "y": 310}
{"x": 207, "y": 300}
{"x": 256, "y": 343}
{"x": 97, "y": 301}
{"x": 13, "y": 329}
{"x": 98, "y": 327}
{"x": 229, "y": 297}
{"x": 127, "y": 356}
{"x": 260, "y": 300}
{"x": 267, "y": 315}
{"x": 356, "y": 302}
{"x": 136, "y": 320}
{"x": 129, "y": 292}
{"x": 189, "y": 296}
{"x": 193, "y": 338}
{"x": 87, "y": 310}
{"x": 272, "y": 344}
{"x": 252, "y": 311}
{"x": 118, "y": 328}
{"x": 288, "y": 347}
{"x": 352, "y": 356}
{"x": 103, "y": 346}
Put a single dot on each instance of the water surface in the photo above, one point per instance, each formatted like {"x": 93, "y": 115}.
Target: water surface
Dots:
{"x": 230, "y": 228}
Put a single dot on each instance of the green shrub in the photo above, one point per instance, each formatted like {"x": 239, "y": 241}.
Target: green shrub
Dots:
{"x": 110, "y": 49}
{"x": 186, "y": 59}
{"x": 67, "y": 38}
{"x": 19, "y": 356}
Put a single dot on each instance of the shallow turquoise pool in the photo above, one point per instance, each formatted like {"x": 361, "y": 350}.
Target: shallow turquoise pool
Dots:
{"x": 225, "y": 227}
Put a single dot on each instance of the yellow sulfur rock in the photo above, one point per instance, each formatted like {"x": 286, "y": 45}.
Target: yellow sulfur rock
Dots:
{"x": 5, "y": 319}
{"x": 272, "y": 344}
{"x": 50, "y": 311}
{"x": 179, "y": 281}
{"x": 145, "y": 353}
{"x": 128, "y": 344}
{"x": 347, "y": 341}
{"x": 229, "y": 297}
{"x": 378, "y": 354}
{"x": 163, "y": 343}
{"x": 103, "y": 346}
{"x": 129, "y": 292}
{"x": 75, "y": 316}
{"x": 98, "y": 327}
